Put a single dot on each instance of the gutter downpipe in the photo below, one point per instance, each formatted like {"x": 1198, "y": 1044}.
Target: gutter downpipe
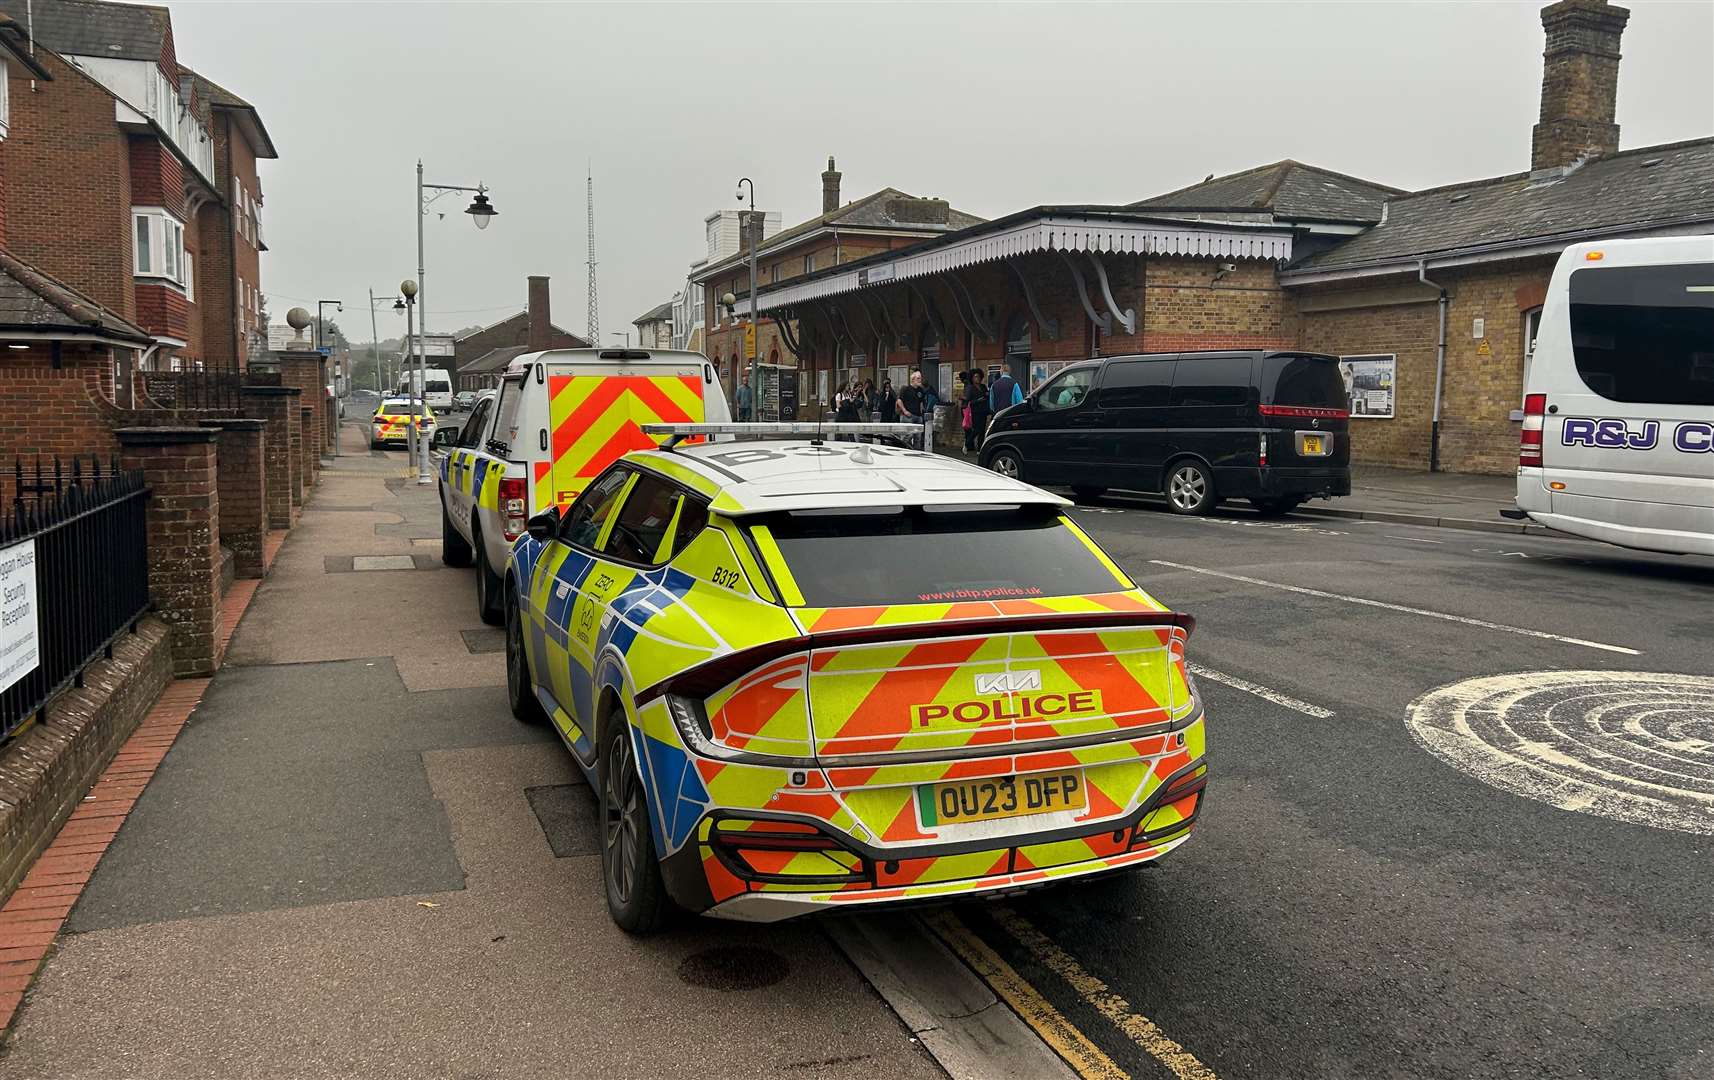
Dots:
{"x": 1439, "y": 368}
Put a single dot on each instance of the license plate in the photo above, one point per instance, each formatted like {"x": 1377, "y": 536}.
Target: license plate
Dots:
{"x": 1312, "y": 445}
{"x": 964, "y": 801}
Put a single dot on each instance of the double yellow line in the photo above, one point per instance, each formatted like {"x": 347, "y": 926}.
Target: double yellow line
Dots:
{"x": 1090, "y": 1061}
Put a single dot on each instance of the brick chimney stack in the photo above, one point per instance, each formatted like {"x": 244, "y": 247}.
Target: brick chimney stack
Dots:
{"x": 1579, "y": 83}
{"x": 830, "y": 188}
{"x": 541, "y": 326}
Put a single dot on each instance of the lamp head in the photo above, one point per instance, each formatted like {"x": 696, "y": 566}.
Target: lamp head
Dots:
{"x": 480, "y": 211}
{"x": 409, "y": 288}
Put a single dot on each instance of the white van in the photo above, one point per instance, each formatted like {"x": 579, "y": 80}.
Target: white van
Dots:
{"x": 558, "y": 419}
{"x": 439, "y": 383}
{"x": 1618, "y": 432}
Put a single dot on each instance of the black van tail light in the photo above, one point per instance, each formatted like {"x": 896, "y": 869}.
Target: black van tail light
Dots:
{"x": 1306, "y": 411}
{"x": 1529, "y": 438}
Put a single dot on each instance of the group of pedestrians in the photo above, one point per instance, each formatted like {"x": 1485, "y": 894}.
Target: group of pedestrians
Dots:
{"x": 861, "y": 400}
{"x": 981, "y": 400}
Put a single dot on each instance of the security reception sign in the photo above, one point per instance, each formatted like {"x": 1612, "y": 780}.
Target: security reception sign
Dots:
{"x": 20, "y": 633}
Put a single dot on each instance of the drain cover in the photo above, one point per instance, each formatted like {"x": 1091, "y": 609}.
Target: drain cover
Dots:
{"x": 383, "y": 562}
{"x": 568, "y": 818}
{"x": 733, "y": 967}
{"x": 486, "y": 640}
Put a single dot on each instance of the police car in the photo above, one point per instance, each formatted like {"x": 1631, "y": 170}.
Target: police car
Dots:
{"x": 392, "y": 422}
{"x": 807, "y": 675}
{"x": 557, "y": 419}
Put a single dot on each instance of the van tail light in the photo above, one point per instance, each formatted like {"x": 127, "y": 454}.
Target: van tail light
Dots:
{"x": 514, "y": 507}
{"x": 1529, "y": 438}
{"x": 1306, "y": 411}
{"x": 1264, "y": 449}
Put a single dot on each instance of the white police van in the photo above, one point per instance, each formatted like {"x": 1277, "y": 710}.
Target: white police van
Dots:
{"x": 1618, "y": 431}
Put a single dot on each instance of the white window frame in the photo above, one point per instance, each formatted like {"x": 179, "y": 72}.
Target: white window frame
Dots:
{"x": 189, "y": 277}
{"x": 166, "y": 248}
{"x": 5, "y": 98}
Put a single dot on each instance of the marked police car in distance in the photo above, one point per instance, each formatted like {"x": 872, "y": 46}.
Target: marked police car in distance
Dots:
{"x": 392, "y": 422}
{"x": 805, "y": 676}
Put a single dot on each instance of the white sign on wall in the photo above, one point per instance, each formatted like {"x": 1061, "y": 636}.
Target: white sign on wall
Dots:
{"x": 1369, "y": 384}
{"x": 20, "y": 634}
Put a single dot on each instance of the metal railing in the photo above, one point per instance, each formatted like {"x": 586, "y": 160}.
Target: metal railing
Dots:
{"x": 196, "y": 391}
{"x": 74, "y": 575}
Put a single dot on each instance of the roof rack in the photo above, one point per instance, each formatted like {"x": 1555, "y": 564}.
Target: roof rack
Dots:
{"x": 780, "y": 429}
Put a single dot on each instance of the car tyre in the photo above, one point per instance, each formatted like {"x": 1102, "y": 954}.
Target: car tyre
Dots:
{"x": 1190, "y": 488}
{"x": 520, "y": 687}
{"x": 454, "y": 549}
{"x": 1088, "y": 494}
{"x": 1007, "y": 463}
{"x": 488, "y": 607}
{"x": 1276, "y": 507}
{"x": 636, "y": 896}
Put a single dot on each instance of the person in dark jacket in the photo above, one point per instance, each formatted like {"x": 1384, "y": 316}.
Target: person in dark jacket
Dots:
{"x": 886, "y": 403}
{"x": 976, "y": 400}
{"x": 1004, "y": 392}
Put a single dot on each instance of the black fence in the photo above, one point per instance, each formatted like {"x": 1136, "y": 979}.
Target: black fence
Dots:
{"x": 200, "y": 391}
{"x": 74, "y": 575}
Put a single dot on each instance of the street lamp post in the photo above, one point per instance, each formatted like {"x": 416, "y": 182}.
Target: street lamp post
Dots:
{"x": 751, "y": 229}
{"x": 375, "y": 333}
{"x": 413, "y": 442}
{"x": 321, "y": 343}
{"x": 480, "y": 212}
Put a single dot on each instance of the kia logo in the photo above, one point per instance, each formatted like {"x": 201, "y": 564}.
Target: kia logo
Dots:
{"x": 1008, "y": 682}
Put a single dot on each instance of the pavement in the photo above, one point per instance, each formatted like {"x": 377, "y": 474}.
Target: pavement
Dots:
{"x": 354, "y": 862}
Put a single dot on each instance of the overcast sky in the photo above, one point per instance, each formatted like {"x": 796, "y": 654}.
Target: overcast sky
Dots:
{"x": 993, "y": 107}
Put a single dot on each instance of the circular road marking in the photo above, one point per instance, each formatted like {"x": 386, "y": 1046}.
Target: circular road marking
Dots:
{"x": 1634, "y": 746}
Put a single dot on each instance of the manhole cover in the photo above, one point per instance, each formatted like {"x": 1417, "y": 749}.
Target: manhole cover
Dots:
{"x": 1634, "y": 746}
{"x": 733, "y": 967}
{"x": 383, "y": 562}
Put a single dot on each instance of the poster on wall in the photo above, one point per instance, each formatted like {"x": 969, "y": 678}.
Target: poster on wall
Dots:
{"x": 821, "y": 386}
{"x": 1043, "y": 370}
{"x": 944, "y": 386}
{"x": 1369, "y": 382}
{"x": 20, "y": 634}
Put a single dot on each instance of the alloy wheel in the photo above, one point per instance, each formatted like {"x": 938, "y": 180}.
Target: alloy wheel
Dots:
{"x": 1188, "y": 489}
{"x": 1006, "y": 465}
{"x": 621, "y": 814}
{"x": 515, "y": 679}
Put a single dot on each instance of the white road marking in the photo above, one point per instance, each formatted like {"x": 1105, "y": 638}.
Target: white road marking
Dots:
{"x": 1366, "y": 602}
{"x": 1260, "y": 691}
{"x": 1633, "y": 746}
{"x": 1412, "y": 539}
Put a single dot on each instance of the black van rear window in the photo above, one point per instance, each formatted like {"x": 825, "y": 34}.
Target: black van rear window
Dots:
{"x": 860, "y": 557}
{"x": 1307, "y": 381}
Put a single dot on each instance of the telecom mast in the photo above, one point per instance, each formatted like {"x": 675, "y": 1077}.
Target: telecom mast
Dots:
{"x": 594, "y": 327}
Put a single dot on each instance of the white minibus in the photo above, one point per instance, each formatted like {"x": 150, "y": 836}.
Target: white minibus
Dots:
{"x": 1618, "y": 427}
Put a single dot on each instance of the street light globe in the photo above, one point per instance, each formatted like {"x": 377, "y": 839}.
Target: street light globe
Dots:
{"x": 297, "y": 318}
{"x": 408, "y": 287}
{"x": 729, "y": 299}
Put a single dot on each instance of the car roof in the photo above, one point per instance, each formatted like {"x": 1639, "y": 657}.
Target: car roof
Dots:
{"x": 758, "y": 477}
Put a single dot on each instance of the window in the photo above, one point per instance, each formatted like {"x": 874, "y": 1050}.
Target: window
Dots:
{"x": 1315, "y": 382}
{"x": 809, "y": 264}
{"x": 1645, "y": 333}
{"x": 658, "y": 519}
{"x": 5, "y": 98}
{"x": 1532, "y": 326}
{"x": 1137, "y": 384}
{"x": 159, "y": 245}
{"x": 1217, "y": 381}
{"x": 189, "y": 278}
{"x": 469, "y": 435}
{"x": 506, "y": 411}
{"x": 918, "y": 554}
{"x": 1066, "y": 391}
{"x": 774, "y": 273}
{"x": 582, "y": 525}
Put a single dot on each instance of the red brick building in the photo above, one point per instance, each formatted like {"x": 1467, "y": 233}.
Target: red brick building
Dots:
{"x": 133, "y": 180}
{"x": 481, "y": 355}
{"x": 1285, "y": 255}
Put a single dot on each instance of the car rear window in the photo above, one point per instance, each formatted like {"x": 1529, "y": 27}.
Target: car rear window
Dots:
{"x": 439, "y": 387}
{"x": 1305, "y": 381}
{"x": 917, "y": 555}
{"x": 1645, "y": 333}
{"x": 397, "y": 408}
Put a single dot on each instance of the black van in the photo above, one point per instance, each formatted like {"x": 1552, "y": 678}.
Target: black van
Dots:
{"x": 1268, "y": 426}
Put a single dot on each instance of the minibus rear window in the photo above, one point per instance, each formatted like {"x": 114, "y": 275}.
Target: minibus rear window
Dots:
{"x": 1306, "y": 381}
{"x": 1645, "y": 333}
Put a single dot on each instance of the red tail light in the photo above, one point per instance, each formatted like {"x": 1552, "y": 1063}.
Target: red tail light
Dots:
{"x": 1529, "y": 439}
{"x": 514, "y": 507}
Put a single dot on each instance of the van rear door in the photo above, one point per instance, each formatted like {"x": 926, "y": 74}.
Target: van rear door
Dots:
{"x": 595, "y": 414}
{"x": 1631, "y": 406}
{"x": 1305, "y": 411}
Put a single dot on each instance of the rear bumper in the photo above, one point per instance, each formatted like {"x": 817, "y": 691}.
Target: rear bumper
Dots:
{"x": 1673, "y": 541}
{"x": 1244, "y": 483}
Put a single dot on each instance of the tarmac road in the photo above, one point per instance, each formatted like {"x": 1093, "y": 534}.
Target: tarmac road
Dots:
{"x": 1534, "y": 898}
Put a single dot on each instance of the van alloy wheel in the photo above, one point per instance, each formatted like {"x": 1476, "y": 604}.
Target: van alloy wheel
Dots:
{"x": 1189, "y": 490}
{"x": 1006, "y": 463}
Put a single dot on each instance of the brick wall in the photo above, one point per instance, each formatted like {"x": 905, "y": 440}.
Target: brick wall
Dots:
{"x": 184, "y": 536}
{"x": 162, "y": 309}
{"x": 62, "y": 411}
{"x": 275, "y": 405}
{"x": 1406, "y": 330}
{"x": 242, "y": 482}
{"x": 64, "y": 140}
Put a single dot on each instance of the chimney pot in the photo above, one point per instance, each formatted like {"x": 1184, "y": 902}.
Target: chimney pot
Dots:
{"x": 830, "y": 188}
{"x": 1579, "y": 83}
{"x": 541, "y": 325}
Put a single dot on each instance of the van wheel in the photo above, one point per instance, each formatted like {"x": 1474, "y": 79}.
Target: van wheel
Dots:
{"x": 1088, "y": 494}
{"x": 454, "y": 549}
{"x": 488, "y": 588}
{"x": 636, "y": 897}
{"x": 1276, "y": 507}
{"x": 1008, "y": 464}
{"x": 1190, "y": 488}
{"x": 520, "y": 687}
